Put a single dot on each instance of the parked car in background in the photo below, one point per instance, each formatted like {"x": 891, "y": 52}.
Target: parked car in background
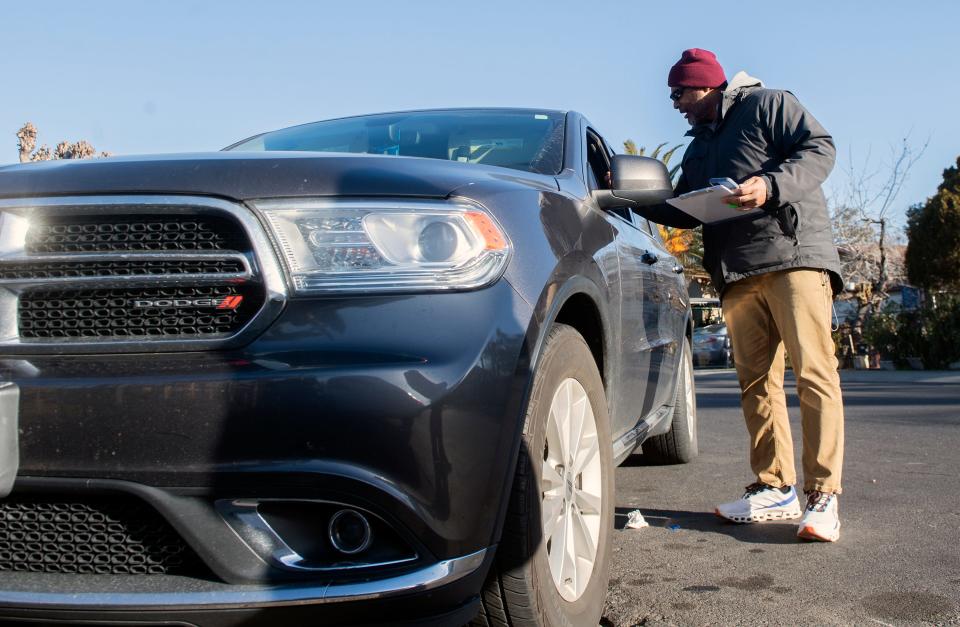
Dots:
{"x": 712, "y": 347}
{"x": 357, "y": 371}
{"x": 706, "y": 311}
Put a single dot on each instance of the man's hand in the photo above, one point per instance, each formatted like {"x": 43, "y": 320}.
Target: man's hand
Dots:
{"x": 751, "y": 193}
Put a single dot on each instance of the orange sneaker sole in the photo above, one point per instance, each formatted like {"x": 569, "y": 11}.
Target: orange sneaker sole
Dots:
{"x": 808, "y": 533}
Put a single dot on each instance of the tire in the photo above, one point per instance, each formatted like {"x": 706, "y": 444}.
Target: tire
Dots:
{"x": 522, "y": 589}
{"x": 679, "y": 445}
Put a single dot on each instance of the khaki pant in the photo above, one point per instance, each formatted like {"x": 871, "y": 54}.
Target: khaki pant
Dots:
{"x": 764, "y": 314}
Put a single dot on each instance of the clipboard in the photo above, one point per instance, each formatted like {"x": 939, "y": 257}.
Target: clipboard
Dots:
{"x": 707, "y": 205}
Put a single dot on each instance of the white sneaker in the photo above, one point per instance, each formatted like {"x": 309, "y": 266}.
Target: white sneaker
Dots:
{"x": 762, "y": 502}
{"x": 821, "y": 519}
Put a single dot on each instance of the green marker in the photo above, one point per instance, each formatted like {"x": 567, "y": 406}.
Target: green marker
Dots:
{"x": 732, "y": 206}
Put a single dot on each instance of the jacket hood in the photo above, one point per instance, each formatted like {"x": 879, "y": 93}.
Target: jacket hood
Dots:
{"x": 737, "y": 87}
{"x": 741, "y": 80}
{"x": 249, "y": 175}
{"x": 741, "y": 84}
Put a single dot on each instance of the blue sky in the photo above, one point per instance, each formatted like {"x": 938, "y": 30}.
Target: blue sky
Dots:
{"x": 145, "y": 77}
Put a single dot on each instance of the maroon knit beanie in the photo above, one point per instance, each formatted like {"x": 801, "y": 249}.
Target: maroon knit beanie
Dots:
{"x": 696, "y": 68}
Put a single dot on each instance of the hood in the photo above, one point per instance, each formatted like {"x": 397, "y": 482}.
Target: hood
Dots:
{"x": 248, "y": 175}
{"x": 741, "y": 83}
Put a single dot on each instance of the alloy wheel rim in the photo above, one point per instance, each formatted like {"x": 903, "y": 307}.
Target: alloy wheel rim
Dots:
{"x": 571, "y": 493}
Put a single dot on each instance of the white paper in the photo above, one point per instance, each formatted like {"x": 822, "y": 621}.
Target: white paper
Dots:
{"x": 635, "y": 520}
{"x": 707, "y": 205}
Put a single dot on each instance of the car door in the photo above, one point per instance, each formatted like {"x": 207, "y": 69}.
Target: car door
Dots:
{"x": 664, "y": 336}
{"x": 638, "y": 309}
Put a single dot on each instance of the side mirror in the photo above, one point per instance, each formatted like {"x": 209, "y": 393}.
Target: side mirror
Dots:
{"x": 636, "y": 181}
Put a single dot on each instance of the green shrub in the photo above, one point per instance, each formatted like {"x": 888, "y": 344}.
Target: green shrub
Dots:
{"x": 931, "y": 333}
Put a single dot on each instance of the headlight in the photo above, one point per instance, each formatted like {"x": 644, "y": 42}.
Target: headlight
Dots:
{"x": 378, "y": 246}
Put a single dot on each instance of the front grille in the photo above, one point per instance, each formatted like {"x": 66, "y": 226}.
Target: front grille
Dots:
{"x": 133, "y": 270}
{"x": 133, "y": 233}
{"x": 108, "y": 536}
{"x": 77, "y": 269}
{"x": 130, "y": 313}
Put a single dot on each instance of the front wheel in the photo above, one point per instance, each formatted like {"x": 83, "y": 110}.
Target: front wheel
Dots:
{"x": 553, "y": 559}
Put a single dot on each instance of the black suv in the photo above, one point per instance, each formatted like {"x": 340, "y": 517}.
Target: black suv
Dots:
{"x": 356, "y": 371}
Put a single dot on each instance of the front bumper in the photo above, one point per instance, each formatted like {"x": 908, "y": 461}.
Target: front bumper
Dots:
{"x": 441, "y": 594}
{"x": 406, "y": 407}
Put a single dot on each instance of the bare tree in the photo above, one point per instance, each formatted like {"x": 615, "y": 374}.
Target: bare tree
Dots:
{"x": 862, "y": 217}
{"x": 78, "y": 150}
{"x": 27, "y": 146}
{"x": 856, "y": 242}
{"x": 27, "y": 141}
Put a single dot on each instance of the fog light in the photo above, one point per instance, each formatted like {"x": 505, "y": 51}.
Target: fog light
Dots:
{"x": 349, "y": 531}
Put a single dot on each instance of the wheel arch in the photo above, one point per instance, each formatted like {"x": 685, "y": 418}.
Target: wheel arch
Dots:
{"x": 581, "y": 312}
{"x": 577, "y": 303}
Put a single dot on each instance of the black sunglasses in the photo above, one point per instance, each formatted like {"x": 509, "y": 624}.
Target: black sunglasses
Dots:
{"x": 677, "y": 94}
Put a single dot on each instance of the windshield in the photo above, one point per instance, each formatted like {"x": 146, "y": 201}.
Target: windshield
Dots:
{"x": 523, "y": 140}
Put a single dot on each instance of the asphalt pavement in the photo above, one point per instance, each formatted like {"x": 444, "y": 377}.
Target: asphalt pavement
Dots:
{"x": 898, "y": 558}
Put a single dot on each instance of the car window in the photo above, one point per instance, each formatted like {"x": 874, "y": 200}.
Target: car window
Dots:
{"x": 598, "y": 162}
{"x": 519, "y": 139}
{"x": 641, "y": 223}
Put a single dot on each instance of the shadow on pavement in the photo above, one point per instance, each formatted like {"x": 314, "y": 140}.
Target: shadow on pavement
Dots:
{"x": 708, "y": 522}
{"x": 644, "y": 459}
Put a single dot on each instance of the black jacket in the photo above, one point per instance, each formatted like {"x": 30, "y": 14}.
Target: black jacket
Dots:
{"x": 761, "y": 132}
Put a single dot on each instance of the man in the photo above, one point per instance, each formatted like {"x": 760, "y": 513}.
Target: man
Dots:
{"x": 776, "y": 272}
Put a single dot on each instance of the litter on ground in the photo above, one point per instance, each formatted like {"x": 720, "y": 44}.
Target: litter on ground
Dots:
{"x": 635, "y": 520}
